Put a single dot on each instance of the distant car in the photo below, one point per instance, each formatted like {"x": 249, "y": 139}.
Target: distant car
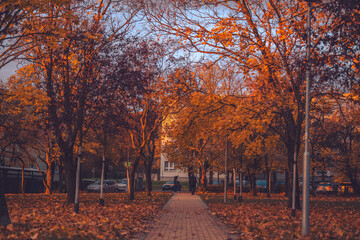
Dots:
{"x": 345, "y": 188}
{"x": 261, "y": 185}
{"x": 325, "y": 187}
{"x": 170, "y": 186}
{"x": 109, "y": 186}
{"x": 245, "y": 185}
{"x": 217, "y": 183}
{"x": 279, "y": 187}
{"x": 122, "y": 185}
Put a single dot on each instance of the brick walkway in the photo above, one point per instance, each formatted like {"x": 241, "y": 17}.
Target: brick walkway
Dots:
{"x": 186, "y": 217}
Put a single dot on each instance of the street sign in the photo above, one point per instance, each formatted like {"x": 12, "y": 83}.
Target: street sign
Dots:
{"x": 127, "y": 164}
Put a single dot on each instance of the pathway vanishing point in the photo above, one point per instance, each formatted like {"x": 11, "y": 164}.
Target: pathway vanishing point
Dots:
{"x": 186, "y": 217}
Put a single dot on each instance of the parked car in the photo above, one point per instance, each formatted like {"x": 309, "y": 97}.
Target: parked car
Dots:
{"x": 245, "y": 185}
{"x": 279, "y": 187}
{"x": 345, "y": 188}
{"x": 261, "y": 185}
{"x": 109, "y": 186}
{"x": 217, "y": 183}
{"x": 170, "y": 186}
{"x": 325, "y": 187}
{"x": 122, "y": 185}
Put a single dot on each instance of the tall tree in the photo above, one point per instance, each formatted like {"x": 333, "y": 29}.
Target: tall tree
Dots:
{"x": 13, "y": 15}
{"x": 69, "y": 54}
{"x": 265, "y": 40}
{"x": 195, "y": 127}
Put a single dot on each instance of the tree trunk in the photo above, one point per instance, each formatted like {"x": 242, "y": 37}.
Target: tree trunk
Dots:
{"x": 49, "y": 178}
{"x": 77, "y": 180}
{"x": 131, "y": 186}
{"x": 22, "y": 178}
{"x": 148, "y": 180}
{"x": 253, "y": 184}
{"x": 313, "y": 192}
{"x": 203, "y": 180}
{"x": 101, "y": 199}
{"x": 61, "y": 177}
{"x": 149, "y": 159}
{"x": 200, "y": 177}
{"x": 234, "y": 182}
{"x": 49, "y": 169}
{"x": 70, "y": 176}
{"x": 268, "y": 183}
{"x": 227, "y": 178}
{"x": 353, "y": 180}
{"x": 297, "y": 189}
{"x": 356, "y": 187}
{"x": 132, "y": 179}
{"x": 291, "y": 154}
{"x": 287, "y": 183}
{"x": 4, "y": 213}
{"x": 241, "y": 186}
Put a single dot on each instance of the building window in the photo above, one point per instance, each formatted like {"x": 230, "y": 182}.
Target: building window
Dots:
{"x": 169, "y": 166}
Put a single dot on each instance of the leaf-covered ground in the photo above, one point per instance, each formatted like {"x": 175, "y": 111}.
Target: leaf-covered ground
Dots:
{"x": 331, "y": 217}
{"x": 40, "y": 216}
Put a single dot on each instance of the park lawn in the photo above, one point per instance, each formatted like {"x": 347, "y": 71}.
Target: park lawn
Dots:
{"x": 157, "y": 185}
{"x": 40, "y": 216}
{"x": 331, "y": 217}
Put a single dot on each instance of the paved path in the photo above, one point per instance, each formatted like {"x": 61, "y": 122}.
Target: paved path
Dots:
{"x": 186, "y": 217}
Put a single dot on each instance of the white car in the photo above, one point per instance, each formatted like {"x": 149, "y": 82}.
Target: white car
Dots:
{"x": 109, "y": 186}
{"x": 122, "y": 185}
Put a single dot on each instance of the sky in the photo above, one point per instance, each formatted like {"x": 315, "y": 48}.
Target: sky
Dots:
{"x": 7, "y": 71}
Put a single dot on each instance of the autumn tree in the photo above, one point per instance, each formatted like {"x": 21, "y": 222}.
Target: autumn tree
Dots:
{"x": 68, "y": 55}
{"x": 135, "y": 98}
{"x": 4, "y": 213}
{"x": 149, "y": 107}
{"x": 33, "y": 102}
{"x": 195, "y": 127}
{"x": 188, "y": 135}
{"x": 12, "y": 33}
{"x": 341, "y": 139}
{"x": 341, "y": 39}
{"x": 265, "y": 39}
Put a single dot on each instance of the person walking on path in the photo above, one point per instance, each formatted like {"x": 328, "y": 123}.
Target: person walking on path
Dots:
{"x": 192, "y": 183}
{"x": 186, "y": 217}
{"x": 177, "y": 186}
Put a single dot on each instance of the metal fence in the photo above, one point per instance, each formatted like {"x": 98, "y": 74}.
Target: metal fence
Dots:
{"x": 12, "y": 180}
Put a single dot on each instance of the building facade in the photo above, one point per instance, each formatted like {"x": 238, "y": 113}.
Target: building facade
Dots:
{"x": 168, "y": 171}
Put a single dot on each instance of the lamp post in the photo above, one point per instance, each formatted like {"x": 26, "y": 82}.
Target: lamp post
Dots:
{"x": 102, "y": 203}
{"x": 93, "y": 172}
{"x": 306, "y": 168}
{"x": 225, "y": 181}
{"x": 77, "y": 183}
